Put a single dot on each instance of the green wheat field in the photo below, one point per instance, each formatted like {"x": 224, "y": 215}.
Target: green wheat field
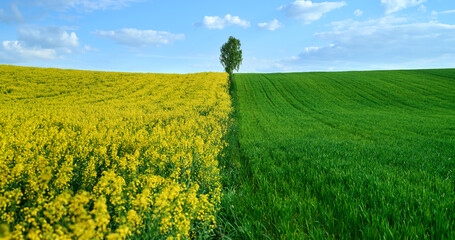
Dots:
{"x": 322, "y": 155}
{"x": 342, "y": 155}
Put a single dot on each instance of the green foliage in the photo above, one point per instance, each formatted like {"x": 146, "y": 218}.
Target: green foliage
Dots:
{"x": 363, "y": 155}
{"x": 231, "y": 55}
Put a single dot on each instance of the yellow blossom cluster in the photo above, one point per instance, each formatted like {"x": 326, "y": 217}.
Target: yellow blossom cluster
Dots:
{"x": 102, "y": 155}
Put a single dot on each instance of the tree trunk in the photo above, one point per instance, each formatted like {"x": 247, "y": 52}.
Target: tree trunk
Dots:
{"x": 230, "y": 81}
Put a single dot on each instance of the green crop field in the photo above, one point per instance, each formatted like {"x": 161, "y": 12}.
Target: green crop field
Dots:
{"x": 341, "y": 155}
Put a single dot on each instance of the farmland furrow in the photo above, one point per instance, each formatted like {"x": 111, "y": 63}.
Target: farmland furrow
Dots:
{"x": 345, "y": 155}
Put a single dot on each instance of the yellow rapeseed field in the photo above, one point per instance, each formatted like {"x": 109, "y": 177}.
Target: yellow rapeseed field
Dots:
{"x": 94, "y": 155}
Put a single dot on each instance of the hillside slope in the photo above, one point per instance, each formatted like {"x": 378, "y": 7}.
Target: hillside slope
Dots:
{"x": 102, "y": 155}
{"x": 343, "y": 155}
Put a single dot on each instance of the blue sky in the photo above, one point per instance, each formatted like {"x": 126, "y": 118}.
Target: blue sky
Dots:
{"x": 178, "y": 36}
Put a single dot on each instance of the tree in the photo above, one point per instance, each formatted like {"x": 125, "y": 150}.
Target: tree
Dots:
{"x": 231, "y": 56}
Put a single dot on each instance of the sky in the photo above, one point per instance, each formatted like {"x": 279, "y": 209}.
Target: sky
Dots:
{"x": 181, "y": 36}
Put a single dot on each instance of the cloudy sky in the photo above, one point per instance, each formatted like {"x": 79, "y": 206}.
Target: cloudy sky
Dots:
{"x": 184, "y": 36}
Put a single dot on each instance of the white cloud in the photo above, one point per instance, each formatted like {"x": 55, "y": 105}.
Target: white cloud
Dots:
{"x": 87, "y": 5}
{"x": 88, "y": 48}
{"x": 448, "y": 12}
{"x": 40, "y": 43}
{"x": 263, "y": 65}
{"x": 392, "y": 6}
{"x": 387, "y": 41}
{"x": 311, "y": 49}
{"x": 15, "y": 51}
{"x": 48, "y": 37}
{"x": 434, "y": 14}
{"x": 216, "y": 22}
{"x": 314, "y": 49}
{"x": 271, "y": 26}
{"x": 13, "y": 15}
{"x": 358, "y": 13}
{"x": 309, "y": 11}
{"x": 140, "y": 38}
{"x": 422, "y": 8}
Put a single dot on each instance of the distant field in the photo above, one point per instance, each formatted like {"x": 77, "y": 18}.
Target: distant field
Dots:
{"x": 100, "y": 155}
{"x": 342, "y": 155}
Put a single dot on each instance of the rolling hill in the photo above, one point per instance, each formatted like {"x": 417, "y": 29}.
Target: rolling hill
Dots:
{"x": 342, "y": 155}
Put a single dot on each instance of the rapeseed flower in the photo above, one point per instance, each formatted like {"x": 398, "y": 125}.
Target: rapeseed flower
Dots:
{"x": 94, "y": 155}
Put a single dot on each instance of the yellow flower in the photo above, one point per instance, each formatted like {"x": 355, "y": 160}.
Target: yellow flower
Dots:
{"x": 97, "y": 155}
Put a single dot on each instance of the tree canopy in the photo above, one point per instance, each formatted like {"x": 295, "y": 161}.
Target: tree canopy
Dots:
{"x": 231, "y": 56}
